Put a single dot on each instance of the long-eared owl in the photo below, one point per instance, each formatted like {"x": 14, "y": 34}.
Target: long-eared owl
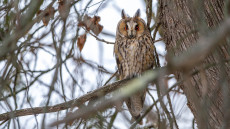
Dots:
{"x": 134, "y": 52}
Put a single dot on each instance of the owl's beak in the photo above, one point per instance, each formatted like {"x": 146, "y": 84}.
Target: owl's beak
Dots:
{"x": 131, "y": 35}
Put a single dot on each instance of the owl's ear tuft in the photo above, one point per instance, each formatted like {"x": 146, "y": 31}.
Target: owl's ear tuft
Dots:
{"x": 137, "y": 14}
{"x": 123, "y": 15}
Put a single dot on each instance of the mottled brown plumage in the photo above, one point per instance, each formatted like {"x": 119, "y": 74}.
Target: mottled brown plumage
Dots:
{"x": 134, "y": 52}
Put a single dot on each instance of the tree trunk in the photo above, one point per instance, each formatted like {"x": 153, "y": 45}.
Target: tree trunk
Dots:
{"x": 183, "y": 22}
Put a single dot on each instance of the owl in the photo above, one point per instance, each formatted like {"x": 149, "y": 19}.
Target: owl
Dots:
{"x": 134, "y": 51}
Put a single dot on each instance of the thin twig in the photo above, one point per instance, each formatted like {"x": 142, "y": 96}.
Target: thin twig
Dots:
{"x": 149, "y": 12}
{"x": 102, "y": 40}
{"x": 172, "y": 112}
{"x": 112, "y": 120}
{"x": 110, "y": 78}
{"x": 160, "y": 39}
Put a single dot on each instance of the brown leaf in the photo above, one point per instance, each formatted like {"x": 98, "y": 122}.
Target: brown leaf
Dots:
{"x": 51, "y": 12}
{"x": 81, "y": 41}
{"x": 63, "y": 8}
{"x": 96, "y": 20}
{"x": 91, "y": 24}
{"x": 47, "y": 15}
{"x": 97, "y": 29}
{"x": 39, "y": 11}
{"x": 45, "y": 21}
{"x": 81, "y": 24}
{"x": 87, "y": 21}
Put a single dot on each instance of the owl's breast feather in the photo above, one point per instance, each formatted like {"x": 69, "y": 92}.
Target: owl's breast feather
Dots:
{"x": 133, "y": 47}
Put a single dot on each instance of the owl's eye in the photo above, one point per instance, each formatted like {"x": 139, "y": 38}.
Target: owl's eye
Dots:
{"x": 126, "y": 27}
{"x": 136, "y": 27}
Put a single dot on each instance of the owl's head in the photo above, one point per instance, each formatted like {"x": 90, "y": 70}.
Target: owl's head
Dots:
{"x": 131, "y": 27}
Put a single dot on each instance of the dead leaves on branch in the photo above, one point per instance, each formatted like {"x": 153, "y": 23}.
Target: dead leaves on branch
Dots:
{"x": 89, "y": 24}
{"x": 47, "y": 15}
{"x": 63, "y": 8}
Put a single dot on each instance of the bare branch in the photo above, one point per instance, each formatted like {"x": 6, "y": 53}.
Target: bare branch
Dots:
{"x": 102, "y": 40}
{"x": 73, "y": 103}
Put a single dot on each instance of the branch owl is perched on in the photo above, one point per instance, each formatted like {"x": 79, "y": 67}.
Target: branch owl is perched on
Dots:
{"x": 134, "y": 52}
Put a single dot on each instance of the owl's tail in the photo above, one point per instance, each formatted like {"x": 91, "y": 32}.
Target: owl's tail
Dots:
{"x": 135, "y": 105}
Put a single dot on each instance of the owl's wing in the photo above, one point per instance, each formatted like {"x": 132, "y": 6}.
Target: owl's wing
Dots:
{"x": 119, "y": 58}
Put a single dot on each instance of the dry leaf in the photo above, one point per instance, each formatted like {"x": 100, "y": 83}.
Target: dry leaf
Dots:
{"x": 63, "y": 8}
{"x": 48, "y": 14}
{"x": 46, "y": 19}
{"x": 91, "y": 24}
{"x": 86, "y": 22}
{"x": 51, "y": 12}
{"x": 80, "y": 24}
{"x": 81, "y": 41}
{"x": 39, "y": 11}
{"x": 97, "y": 29}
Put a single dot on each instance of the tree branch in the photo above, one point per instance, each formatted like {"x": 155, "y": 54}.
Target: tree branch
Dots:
{"x": 96, "y": 37}
{"x": 62, "y": 106}
{"x": 125, "y": 91}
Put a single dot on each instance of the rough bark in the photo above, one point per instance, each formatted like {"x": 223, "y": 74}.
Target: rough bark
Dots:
{"x": 183, "y": 22}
